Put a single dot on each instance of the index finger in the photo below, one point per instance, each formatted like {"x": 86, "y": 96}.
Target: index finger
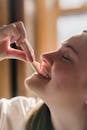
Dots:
{"x": 25, "y": 45}
{"x": 23, "y": 41}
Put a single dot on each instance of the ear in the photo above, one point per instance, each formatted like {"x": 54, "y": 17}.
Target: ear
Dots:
{"x": 85, "y": 101}
{"x": 84, "y": 92}
{"x": 85, "y": 98}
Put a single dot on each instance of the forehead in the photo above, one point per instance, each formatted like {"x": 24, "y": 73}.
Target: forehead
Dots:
{"x": 79, "y": 42}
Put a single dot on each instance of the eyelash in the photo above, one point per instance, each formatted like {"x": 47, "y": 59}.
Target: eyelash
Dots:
{"x": 66, "y": 58}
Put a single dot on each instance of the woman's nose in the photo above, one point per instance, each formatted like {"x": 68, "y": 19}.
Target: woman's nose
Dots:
{"x": 48, "y": 58}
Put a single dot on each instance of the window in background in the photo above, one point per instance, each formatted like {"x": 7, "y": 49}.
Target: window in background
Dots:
{"x": 71, "y": 3}
{"x": 70, "y": 25}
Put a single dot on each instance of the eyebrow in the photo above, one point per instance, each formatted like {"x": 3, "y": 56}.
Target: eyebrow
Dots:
{"x": 73, "y": 49}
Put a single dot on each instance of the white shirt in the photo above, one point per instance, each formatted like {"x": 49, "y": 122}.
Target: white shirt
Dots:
{"x": 13, "y": 112}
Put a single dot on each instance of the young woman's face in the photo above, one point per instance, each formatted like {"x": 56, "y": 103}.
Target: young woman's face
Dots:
{"x": 67, "y": 69}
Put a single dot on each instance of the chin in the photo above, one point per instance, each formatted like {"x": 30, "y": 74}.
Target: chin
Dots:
{"x": 36, "y": 82}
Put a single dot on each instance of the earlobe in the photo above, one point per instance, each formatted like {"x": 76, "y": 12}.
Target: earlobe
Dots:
{"x": 85, "y": 105}
{"x": 85, "y": 102}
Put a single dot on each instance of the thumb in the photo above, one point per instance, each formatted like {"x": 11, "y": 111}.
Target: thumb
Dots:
{"x": 16, "y": 54}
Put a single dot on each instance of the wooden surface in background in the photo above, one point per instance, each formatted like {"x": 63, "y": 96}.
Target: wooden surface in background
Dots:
{"x": 4, "y": 12}
{"x": 4, "y": 65}
{"x": 46, "y": 30}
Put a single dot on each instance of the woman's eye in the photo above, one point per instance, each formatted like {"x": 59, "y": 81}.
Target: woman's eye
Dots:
{"x": 66, "y": 58}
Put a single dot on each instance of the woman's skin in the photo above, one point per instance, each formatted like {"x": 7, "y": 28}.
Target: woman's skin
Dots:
{"x": 15, "y": 33}
{"x": 7, "y": 52}
{"x": 65, "y": 92}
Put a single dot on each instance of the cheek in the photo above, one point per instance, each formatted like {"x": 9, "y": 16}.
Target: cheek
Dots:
{"x": 65, "y": 75}
{"x": 64, "y": 85}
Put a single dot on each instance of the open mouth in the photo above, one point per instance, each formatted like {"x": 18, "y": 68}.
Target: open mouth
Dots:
{"x": 42, "y": 69}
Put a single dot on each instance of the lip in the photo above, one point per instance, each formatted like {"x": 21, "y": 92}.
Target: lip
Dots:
{"x": 41, "y": 77}
{"x": 43, "y": 69}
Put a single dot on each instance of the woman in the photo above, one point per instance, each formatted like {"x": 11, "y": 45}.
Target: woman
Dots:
{"x": 64, "y": 90}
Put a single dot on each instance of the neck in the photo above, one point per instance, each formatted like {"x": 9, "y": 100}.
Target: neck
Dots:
{"x": 69, "y": 118}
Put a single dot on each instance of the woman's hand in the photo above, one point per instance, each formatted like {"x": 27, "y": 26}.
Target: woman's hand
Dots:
{"x": 11, "y": 33}
{"x": 7, "y": 52}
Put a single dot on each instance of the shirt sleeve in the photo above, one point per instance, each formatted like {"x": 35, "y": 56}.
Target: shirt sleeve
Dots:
{"x": 13, "y": 112}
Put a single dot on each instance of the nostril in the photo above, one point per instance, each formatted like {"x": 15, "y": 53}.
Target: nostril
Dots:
{"x": 47, "y": 59}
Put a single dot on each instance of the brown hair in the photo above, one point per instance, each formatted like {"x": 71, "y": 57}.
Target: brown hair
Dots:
{"x": 40, "y": 119}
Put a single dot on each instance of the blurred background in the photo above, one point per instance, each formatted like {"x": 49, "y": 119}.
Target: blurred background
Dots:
{"x": 47, "y": 23}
